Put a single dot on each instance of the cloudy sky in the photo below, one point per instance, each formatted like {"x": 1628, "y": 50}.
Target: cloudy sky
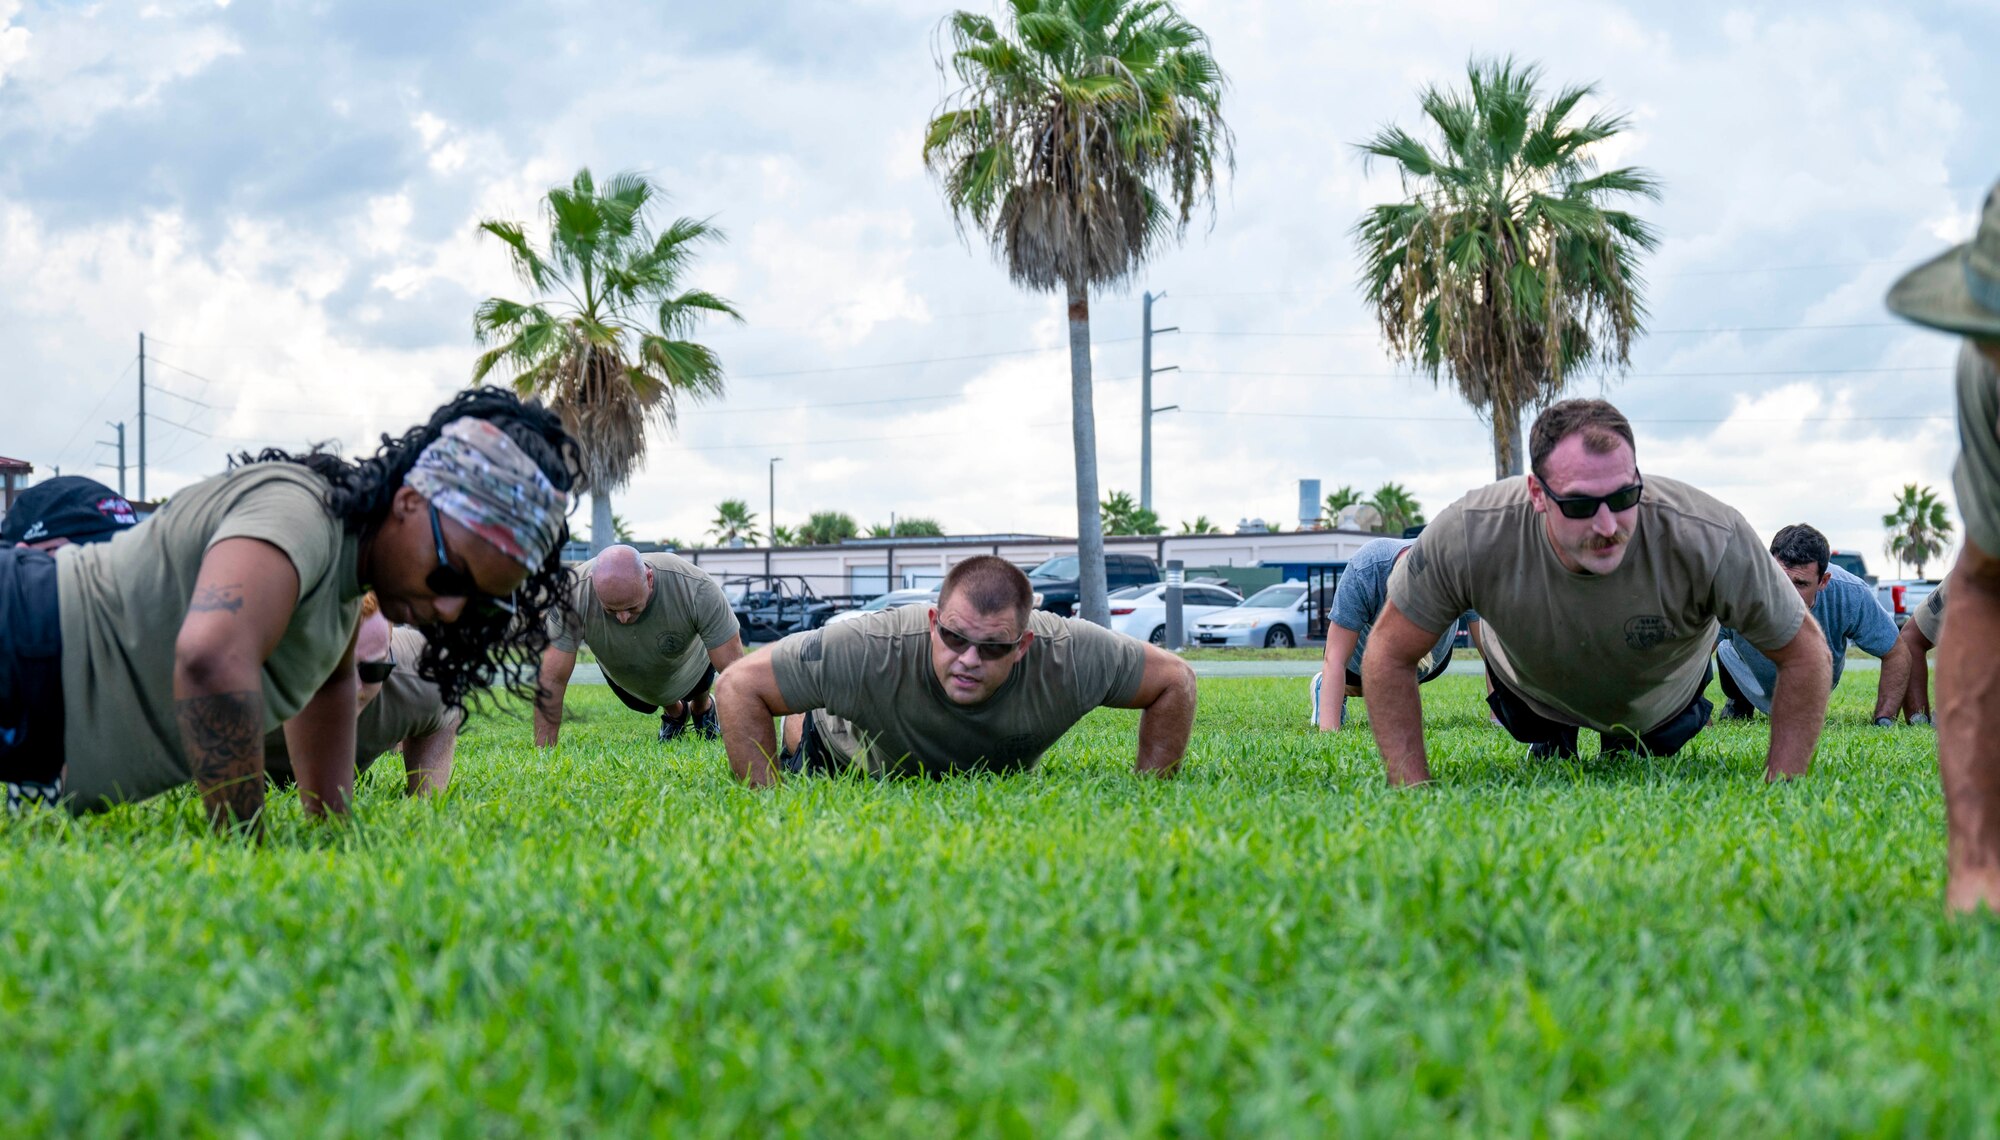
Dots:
{"x": 284, "y": 196}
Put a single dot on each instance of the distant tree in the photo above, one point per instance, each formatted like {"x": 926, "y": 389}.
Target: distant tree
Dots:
{"x": 733, "y": 520}
{"x": 1200, "y": 525}
{"x": 1082, "y": 138}
{"x": 1123, "y": 515}
{"x": 1504, "y": 266}
{"x": 673, "y": 544}
{"x": 1919, "y": 528}
{"x": 907, "y": 528}
{"x": 1400, "y": 510}
{"x": 827, "y": 528}
{"x": 1339, "y": 501}
{"x": 784, "y": 536}
{"x": 601, "y": 339}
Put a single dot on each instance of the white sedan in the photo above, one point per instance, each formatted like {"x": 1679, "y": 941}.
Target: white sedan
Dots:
{"x": 1273, "y": 617}
{"x": 888, "y": 601}
{"x": 1141, "y": 611}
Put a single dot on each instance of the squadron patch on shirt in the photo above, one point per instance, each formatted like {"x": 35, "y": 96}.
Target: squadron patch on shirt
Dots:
{"x": 1646, "y": 631}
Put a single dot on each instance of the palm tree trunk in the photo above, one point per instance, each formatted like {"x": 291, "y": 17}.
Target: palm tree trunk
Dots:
{"x": 603, "y": 532}
{"x": 1092, "y": 603}
{"x": 1507, "y": 450}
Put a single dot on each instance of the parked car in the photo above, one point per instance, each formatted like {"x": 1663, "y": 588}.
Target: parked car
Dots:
{"x": 1852, "y": 562}
{"x": 887, "y": 601}
{"x": 1054, "y": 581}
{"x": 771, "y": 606}
{"x": 1273, "y": 617}
{"x": 1902, "y": 596}
{"x": 1141, "y": 611}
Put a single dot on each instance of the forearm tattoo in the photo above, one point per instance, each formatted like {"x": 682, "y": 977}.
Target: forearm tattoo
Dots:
{"x": 210, "y": 599}
{"x": 224, "y": 737}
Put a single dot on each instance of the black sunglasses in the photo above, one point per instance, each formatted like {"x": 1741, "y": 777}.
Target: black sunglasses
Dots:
{"x": 1585, "y": 506}
{"x": 448, "y": 581}
{"x": 375, "y": 672}
{"x": 988, "y": 650}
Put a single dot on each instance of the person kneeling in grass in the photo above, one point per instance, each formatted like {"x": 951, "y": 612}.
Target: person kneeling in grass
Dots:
{"x": 1599, "y": 595}
{"x": 184, "y": 640}
{"x": 981, "y": 682}
{"x": 661, "y": 630}
{"x": 1844, "y": 608}
{"x": 400, "y": 711}
{"x": 1357, "y": 602}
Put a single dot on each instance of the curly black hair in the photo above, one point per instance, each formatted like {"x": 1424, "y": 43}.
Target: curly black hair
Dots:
{"x": 485, "y": 645}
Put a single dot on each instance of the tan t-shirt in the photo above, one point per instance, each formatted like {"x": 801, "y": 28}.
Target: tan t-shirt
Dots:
{"x": 1626, "y": 649}
{"x": 1930, "y": 616}
{"x": 1976, "y": 477}
{"x": 408, "y": 707}
{"x": 879, "y": 701}
{"x": 663, "y": 655}
{"x": 123, "y": 603}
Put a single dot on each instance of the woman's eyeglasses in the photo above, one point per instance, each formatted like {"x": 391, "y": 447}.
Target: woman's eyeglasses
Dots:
{"x": 1585, "y": 506}
{"x": 988, "y": 650}
{"x": 448, "y": 581}
{"x": 375, "y": 672}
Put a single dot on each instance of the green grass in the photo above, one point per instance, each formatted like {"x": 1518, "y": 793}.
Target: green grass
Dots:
{"x": 617, "y": 940}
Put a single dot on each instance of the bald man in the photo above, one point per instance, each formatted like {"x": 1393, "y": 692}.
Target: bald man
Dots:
{"x": 660, "y": 629}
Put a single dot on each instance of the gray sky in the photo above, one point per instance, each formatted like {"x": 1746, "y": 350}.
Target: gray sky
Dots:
{"x": 283, "y": 196}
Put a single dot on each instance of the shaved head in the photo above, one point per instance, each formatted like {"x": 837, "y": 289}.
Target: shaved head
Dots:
{"x": 372, "y": 642}
{"x": 623, "y": 581}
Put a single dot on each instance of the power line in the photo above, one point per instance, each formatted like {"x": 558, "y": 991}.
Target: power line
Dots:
{"x": 92, "y": 414}
{"x": 1636, "y": 420}
{"x": 1626, "y": 376}
{"x": 1374, "y": 334}
{"x": 853, "y": 439}
{"x": 927, "y": 360}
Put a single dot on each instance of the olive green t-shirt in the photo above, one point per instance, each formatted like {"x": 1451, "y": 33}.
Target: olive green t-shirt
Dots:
{"x": 661, "y": 656}
{"x": 1977, "y": 476}
{"x": 123, "y": 603}
{"x": 1626, "y": 649}
{"x": 879, "y": 701}
{"x": 407, "y": 708}
{"x": 1930, "y": 616}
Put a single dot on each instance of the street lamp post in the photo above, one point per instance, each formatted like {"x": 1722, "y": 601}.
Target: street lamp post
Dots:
{"x": 771, "y": 519}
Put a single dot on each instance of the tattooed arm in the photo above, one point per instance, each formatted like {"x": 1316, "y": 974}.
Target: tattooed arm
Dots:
{"x": 243, "y": 598}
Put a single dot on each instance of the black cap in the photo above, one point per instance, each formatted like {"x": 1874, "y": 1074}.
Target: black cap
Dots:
{"x": 67, "y": 506}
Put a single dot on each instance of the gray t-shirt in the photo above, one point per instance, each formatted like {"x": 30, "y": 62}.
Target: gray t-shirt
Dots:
{"x": 1930, "y": 616}
{"x": 877, "y": 699}
{"x": 662, "y": 656}
{"x": 1364, "y": 588}
{"x": 1625, "y": 650}
{"x": 1977, "y": 476}
{"x": 407, "y": 708}
{"x": 1847, "y": 613}
{"x": 123, "y": 603}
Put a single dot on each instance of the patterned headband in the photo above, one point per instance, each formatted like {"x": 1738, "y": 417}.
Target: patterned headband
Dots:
{"x": 474, "y": 473}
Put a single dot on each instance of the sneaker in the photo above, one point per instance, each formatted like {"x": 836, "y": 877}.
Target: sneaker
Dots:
{"x": 671, "y": 727}
{"x": 1553, "y": 750}
{"x": 1732, "y": 710}
{"x": 1920, "y": 718}
{"x": 707, "y": 724}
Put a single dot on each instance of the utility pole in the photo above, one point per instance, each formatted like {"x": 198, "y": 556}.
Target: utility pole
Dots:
{"x": 120, "y": 445}
{"x": 1146, "y": 409}
{"x": 142, "y": 417}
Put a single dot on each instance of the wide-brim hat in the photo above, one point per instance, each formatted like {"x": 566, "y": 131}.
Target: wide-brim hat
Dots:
{"x": 1958, "y": 290}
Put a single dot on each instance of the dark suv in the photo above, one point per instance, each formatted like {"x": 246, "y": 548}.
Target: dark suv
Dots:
{"x": 1055, "y": 580}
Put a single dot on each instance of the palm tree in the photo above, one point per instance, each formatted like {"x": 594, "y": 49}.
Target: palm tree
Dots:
{"x": 784, "y": 536}
{"x": 733, "y": 520}
{"x": 1122, "y": 514}
{"x": 1200, "y": 525}
{"x": 1338, "y": 501}
{"x": 907, "y": 528}
{"x": 827, "y": 528}
{"x": 603, "y": 341}
{"x": 1400, "y": 510}
{"x": 1919, "y": 528}
{"x": 1084, "y": 135}
{"x": 1504, "y": 266}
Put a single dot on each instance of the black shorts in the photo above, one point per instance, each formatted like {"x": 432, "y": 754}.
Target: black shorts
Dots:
{"x": 31, "y": 692}
{"x": 637, "y": 704}
{"x": 1526, "y": 725}
{"x": 1437, "y": 670}
{"x": 812, "y": 757}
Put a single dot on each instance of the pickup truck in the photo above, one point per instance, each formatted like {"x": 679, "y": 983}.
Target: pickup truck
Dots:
{"x": 1055, "y": 581}
{"x": 1902, "y": 596}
